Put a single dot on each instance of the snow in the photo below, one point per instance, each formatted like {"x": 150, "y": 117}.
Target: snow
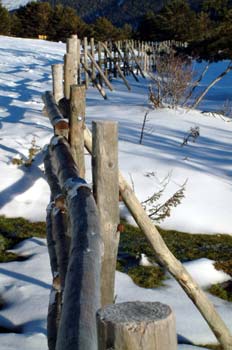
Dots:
{"x": 14, "y": 4}
{"x": 206, "y": 165}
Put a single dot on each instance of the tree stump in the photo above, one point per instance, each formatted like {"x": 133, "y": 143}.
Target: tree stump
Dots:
{"x": 136, "y": 326}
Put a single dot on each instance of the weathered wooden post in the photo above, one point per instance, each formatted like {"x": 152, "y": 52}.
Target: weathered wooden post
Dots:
{"x": 92, "y": 51}
{"x": 105, "y": 61}
{"x": 99, "y": 60}
{"x": 77, "y": 124}
{"x": 78, "y": 61}
{"x": 57, "y": 81}
{"x": 71, "y": 47}
{"x": 86, "y": 61}
{"x": 106, "y": 190}
{"x": 69, "y": 74}
{"x": 135, "y": 326}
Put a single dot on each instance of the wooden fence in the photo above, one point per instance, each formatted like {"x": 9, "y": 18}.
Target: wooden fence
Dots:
{"x": 82, "y": 234}
{"x": 89, "y": 62}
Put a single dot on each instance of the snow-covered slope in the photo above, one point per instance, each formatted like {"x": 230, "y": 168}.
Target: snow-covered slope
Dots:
{"x": 25, "y": 74}
{"x": 207, "y": 164}
{"x": 14, "y": 4}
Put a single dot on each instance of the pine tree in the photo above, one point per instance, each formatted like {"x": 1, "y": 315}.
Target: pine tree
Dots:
{"x": 105, "y": 30}
{"x": 4, "y": 21}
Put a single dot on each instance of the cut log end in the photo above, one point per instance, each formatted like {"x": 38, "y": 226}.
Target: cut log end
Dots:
{"x": 134, "y": 312}
{"x": 137, "y": 325}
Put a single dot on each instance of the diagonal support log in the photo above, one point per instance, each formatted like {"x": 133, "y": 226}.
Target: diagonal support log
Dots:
{"x": 116, "y": 65}
{"x": 126, "y": 63}
{"x": 100, "y": 72}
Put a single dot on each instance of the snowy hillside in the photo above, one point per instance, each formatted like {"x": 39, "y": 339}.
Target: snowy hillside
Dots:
{"x": 14, "y": 4}
{"x": 206, "y": 165}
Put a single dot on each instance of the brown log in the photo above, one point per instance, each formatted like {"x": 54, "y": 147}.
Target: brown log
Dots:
{"x": 168, "y": 260}
{"x": 77, "y": 124}
{"x": 135, "y": 326}
{"x": 56, "y": 118}
{"x": 105, "y": 189}
{"x": 61, "y": 244}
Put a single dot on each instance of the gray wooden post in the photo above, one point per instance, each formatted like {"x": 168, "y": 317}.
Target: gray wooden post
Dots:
{"x": 57, "y": 81}
{"x": 86, "y": 61}
{"x": 78, "y": 61}
{"x": 71, "y": 45}
{"x": 106, "y": 190}
{"x": 135, "y": 326}
{"x": 76, "y": 123}
{"x": 92, "y": 51}
{"x": 99, "y": 47}
{"x": 105, "y": 62}
{"x": 69, "y": 74}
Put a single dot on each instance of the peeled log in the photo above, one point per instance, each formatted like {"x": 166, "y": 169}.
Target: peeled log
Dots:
{"x": 136, "y": 326}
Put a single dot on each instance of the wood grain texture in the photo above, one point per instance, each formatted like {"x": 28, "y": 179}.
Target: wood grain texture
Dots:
{"x": 57, "y": 81}
{"x": 106, "y": 189}
{"x": 136, "y": 326}
{"x": 77, "y": 124}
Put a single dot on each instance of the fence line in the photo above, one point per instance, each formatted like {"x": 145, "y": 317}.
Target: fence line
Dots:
{"x": 79, "y": 272}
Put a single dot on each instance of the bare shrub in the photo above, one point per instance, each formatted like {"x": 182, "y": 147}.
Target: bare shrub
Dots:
{"x": 171, "y": 80}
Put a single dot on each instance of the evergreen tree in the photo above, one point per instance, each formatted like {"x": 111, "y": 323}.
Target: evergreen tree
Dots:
{"x": 32, "y": 20}
{"x": 64, "y": 22}
{"x": 105, "y": 30}
{"x": 177, "y": 21}
{"x": 4, "y": 21}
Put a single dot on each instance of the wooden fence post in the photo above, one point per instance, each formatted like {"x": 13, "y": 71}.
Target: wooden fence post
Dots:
{"x": 100, "y": 60}
{"x": 86, "y": 61}
{"x": 69, "y": 74}
{"x": 78, "y": 61}
{"x": 135, "y": 326}
{"x": 72, "y": 49}
{"x": 106, "y": 190}
{"x": 92, "y": 51}
{"x": 57, "y": 81}
{"x": 76, "y": 124}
